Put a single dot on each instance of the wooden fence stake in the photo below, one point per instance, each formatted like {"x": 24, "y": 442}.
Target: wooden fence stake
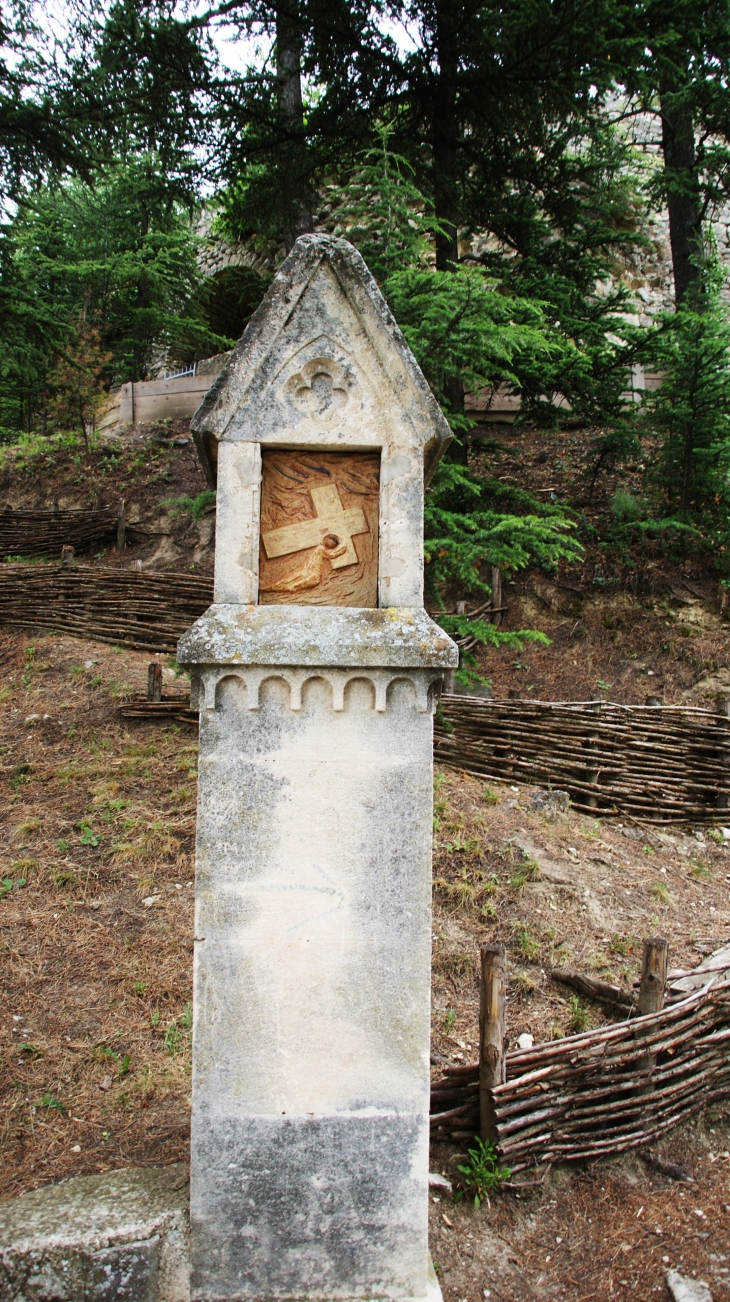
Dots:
{"x": 653, "y": 976}
{"x": 154, "y": 682}
{"x": 722, "y": 705}
{"x": 491, "y": 1036}
{"x": 592, "y": 741}
{"x": 121, "y": 526}
{"x": 651, "y": 990}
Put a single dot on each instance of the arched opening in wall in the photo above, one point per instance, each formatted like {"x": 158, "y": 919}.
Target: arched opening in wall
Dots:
{"x": 401, "y": 694}
{"x": 360, "y": 695}
{"x": 231, "y": 297}
{"x": 317, "y": 695}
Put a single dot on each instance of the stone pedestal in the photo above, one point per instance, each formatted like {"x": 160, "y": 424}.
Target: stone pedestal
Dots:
{"x": 312, "y": 966}
{"x": 309, "y": 1162}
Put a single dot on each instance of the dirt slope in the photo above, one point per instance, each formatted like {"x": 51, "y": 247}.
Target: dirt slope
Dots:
{"x": 95, "y": 916}
{"x": 96, "y": 844}
{"x": 150, "y": 468}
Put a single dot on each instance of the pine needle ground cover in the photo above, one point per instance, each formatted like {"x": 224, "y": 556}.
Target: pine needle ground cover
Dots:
{"x": 96, "y": 871}
{"x": 578, "y": 895}
{"x": 570, "y": 893}
{"x": 95, "y": 917}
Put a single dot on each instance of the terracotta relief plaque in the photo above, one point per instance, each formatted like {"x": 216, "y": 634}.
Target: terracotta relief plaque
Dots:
{"x": 319, "y": 528}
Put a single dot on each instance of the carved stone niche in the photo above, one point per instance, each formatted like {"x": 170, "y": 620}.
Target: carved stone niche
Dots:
{"x": 319, "y": 528}
{"x": 319, "y": 434}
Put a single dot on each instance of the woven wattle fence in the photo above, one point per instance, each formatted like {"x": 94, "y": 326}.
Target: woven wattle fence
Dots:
{"x": 145, "y": 611}
{"x": 654, "y": 762}
{"x": 604, "y": 1091}
{"x": 44, "y": 533}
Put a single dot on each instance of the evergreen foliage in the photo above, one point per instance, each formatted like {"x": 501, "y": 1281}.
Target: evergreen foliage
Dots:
{"x": 467, "y": 526}
{"x": 672, "y": 58}
{"x": 485, "y": 172}
{"x": 75, "y": 388}
{"x": 458, "y": 325}
{"x": 690, "y": 412}
{"x": 117, "y": 259}
{"x": 41, "y": 130}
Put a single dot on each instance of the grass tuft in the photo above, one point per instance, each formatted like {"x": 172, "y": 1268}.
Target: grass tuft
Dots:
{"x": 22, "y": 831}
{"x": 662, "y": 893}
{"x": 580, "y": 1019}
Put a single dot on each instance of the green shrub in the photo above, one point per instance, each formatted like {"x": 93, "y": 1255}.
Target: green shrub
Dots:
{"x": 482, "y": 1173}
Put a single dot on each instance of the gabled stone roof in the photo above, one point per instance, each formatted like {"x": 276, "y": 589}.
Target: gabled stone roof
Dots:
{"x": 322, "y": 301}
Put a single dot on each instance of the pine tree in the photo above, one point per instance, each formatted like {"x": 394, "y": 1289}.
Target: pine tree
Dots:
{"x": 691, "y": 410}
{"x": 121, "y": 254}
{"x": 673, "y": 61}
{"x": 458, "y": 324}
{"x": 75, "y": 384}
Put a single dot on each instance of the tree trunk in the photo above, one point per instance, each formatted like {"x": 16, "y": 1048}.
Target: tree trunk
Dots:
{"x": 689, "y": 442}
{"x": 683, "y": 194}
{"x": 445, "y": 137}
{"x": 445, "y": 183}
{"x": 292, "y": 161}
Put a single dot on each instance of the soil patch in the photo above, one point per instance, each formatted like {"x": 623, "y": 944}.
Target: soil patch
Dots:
{"x": 96, "y": 862}
{"x": 150, "y": 467}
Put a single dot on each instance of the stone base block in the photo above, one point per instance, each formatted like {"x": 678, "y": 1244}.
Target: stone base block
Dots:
{"x": 99, "y": 1238}
{"x": 320, "y": 1208}
{"x": 121, "y": 1236}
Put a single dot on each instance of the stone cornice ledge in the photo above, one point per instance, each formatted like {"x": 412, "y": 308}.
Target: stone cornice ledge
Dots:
{"x": 403, "y": 637}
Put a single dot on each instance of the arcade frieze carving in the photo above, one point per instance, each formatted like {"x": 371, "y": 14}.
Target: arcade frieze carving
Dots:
{"x": 253, "y": 678}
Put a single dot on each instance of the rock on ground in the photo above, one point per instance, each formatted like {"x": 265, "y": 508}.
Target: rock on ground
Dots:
{"x": 121, "y": 1235}
{"x": 684, "y": 1289}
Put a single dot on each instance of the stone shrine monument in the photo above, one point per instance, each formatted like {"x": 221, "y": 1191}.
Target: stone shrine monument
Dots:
{"x": 316, "y": 670}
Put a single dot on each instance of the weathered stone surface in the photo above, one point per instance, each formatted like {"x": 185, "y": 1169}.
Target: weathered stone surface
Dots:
{"x": 75, "y": 1241}
{"x": 354, "y": 313}
{"x": 121, "y": 1235}
{"x": 311, "y": 635}
{"x": 550, "y": 803}
{"x": 309, "y": 1158}
{"x": 321, "y": 365}
{"x": 684, "y": 1289}
{"x": 310, "y": 1093}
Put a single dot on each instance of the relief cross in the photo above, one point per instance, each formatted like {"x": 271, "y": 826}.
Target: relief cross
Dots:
{"x": 332, "y": 528}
